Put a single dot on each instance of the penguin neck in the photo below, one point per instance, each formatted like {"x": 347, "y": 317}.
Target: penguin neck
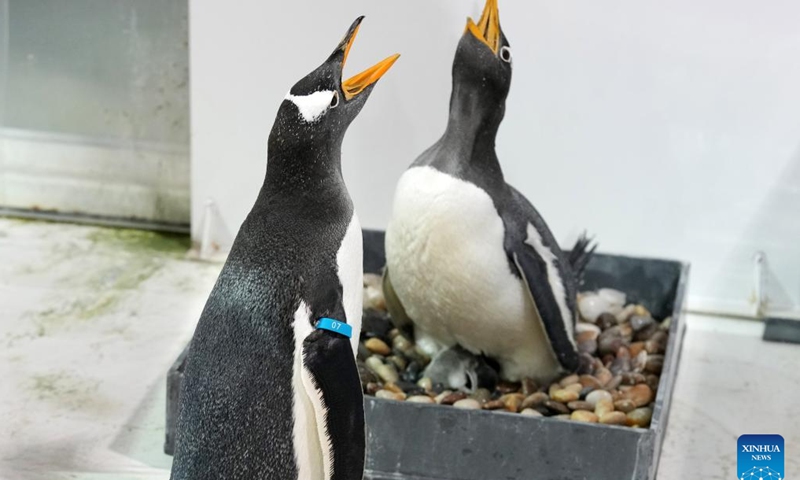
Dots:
{"x": 308, "y": 168}
{"x": 472, "y": 129}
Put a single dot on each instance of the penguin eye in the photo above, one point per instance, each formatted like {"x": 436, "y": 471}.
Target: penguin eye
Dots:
{"x": 505, "y": 54}
{"x": 335, "y": 99}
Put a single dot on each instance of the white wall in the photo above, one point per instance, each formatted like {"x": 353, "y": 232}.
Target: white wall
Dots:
{"x": 668, "y": 129}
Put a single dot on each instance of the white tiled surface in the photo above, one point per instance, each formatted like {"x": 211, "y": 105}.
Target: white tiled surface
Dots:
{"x": 90, "y": 320}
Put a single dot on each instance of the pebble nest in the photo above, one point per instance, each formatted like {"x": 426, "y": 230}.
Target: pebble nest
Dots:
{"x": 621, "y": 348}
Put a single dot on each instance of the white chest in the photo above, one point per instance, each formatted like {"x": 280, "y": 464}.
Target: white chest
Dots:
{"x": 445, "y": 254}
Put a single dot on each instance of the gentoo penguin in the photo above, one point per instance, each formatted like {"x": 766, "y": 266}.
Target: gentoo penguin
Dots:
{"x": 271, "y": 388}
{"x": 469, "y": 260}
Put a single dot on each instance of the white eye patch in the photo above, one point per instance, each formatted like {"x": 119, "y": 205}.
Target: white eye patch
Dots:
{"x": 313, "y": 105}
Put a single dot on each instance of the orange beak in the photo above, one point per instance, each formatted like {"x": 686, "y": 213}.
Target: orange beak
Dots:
{"x": 488, "y": 28}
{"x": 358, "y": 82}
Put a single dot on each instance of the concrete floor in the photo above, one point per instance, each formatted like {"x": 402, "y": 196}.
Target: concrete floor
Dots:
{"x": 91, "y": 318}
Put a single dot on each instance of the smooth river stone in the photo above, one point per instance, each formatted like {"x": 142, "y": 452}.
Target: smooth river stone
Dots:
{"x": 584, "y": 416}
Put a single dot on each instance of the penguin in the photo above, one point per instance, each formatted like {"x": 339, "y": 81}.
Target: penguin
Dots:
{"x": 469, "y": 260}
{"x": 271, "y": 388}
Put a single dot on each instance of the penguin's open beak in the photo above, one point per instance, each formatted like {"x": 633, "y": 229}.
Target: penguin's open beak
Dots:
{"x": 488, "y": 28}
{"x": 357, "y": 83}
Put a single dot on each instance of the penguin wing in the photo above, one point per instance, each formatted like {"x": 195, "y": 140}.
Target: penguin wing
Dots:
{"x": 547, "y": 275}
{"x": 334, "y": 386}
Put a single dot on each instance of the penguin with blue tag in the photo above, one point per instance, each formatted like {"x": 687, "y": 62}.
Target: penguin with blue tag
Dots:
{"x": 271, "y": 388}
{"x": 469, "y": 260}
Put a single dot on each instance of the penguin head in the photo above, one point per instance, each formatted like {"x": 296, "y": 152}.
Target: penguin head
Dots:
{"x": 483, "y": 56}
{"x": 322, "y": 104}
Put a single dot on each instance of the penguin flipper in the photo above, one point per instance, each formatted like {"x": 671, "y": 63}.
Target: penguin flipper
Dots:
{"x": 396, "y": 310}
{"x": 333, "y": 384}
{"x": 533, "y": 270}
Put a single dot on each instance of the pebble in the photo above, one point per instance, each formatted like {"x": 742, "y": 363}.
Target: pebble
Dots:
{"x": 587, "y": 346}
{"x": 606, "y": 321}
{"x": 639, "y": 322}
{"x": 620, "y": 365}
{"x": 580, "y": 405}
{"x": 371, "y": 388}
{"x": 603, "y": 406}
{"x": 373, "y": 292}
{"x": 393, "y": 388}
{"x": 389, "y": 395}
{"x": 375, "y": 323}
{"x": 614, "y": 382}
{"x": 425, "y": 383}
{"x": 553, "y": 388}
{"x": 591, "y": 306}
{"x": 613, "y": 418}
{"x": 452, "y": 398}
{"x": 587, "y": 336}
{"x": 639, "y": 362}
{"x": 585, "y": 364}
{"x": 562, "y": 416}
{"x": 410, "y": 388}
{"x": 507, "y": 387}
{"x": 569, "y": 380}
{"x": 666, "y": 324}
{"x": 584, "y": 416}
{"x": 363, "y": 352}
{"x": 398, "y": 361}
{"x": 412, "y": 371}
{"x": 468, "y": 404}
{"x": 365, "y": 373}
{"x": 586, "y": 391}
{"x": 655, "y": 363}
{"x": 401, "y": 343}
{"x": 635, "y": 348}
{"x": 388, "y": 373}
{"x": 624, "y": 405}
{"x": 640, "y": 417}
{"x": 610, "y": 340}
{"x": 442, "y": 396}
{"x": 529, "y": 412}
{"x": 535, "y": 400}
{"x": 419, "y": 399}
{"x": 626, "y": 313}
{"x": 529, "y": 386}
{"x": 632, "y": 378}
{"x": 556, "y": 407}
{"x": 590, "y": 381}
{"x": 482, "y": 395}
{"x": 646, "y": 333}
{"x": 640, "y": 394}
{"x": 494, "y": 405}
{"x": 372, "y": 363}
{"x": 565, "y": 396}
{"x": 652, "y": 381}
{"x": 512, "y": 401}
{"x": 584, "y": 327}
{"x": 596, "y": 396}
{"x": 613, "y": 297}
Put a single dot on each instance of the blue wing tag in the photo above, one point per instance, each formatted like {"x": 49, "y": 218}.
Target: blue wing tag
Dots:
{"x": 335, "y": 326}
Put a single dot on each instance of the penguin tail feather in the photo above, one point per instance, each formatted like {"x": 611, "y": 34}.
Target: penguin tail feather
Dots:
{"x": 580, "y": 255}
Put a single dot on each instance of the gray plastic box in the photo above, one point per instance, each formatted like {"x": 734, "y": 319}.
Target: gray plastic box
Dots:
{"x": 407, "y": 441}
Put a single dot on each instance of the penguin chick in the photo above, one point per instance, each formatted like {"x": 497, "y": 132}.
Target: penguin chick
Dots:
{"x": 271, "y": 388}
{"x": 458, "y": 369}
{"x": 469, "y": 260}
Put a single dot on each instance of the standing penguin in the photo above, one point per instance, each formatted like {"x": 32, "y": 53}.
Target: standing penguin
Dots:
{"x": 271, "y": 389}
{"x": 469, "y": 260}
